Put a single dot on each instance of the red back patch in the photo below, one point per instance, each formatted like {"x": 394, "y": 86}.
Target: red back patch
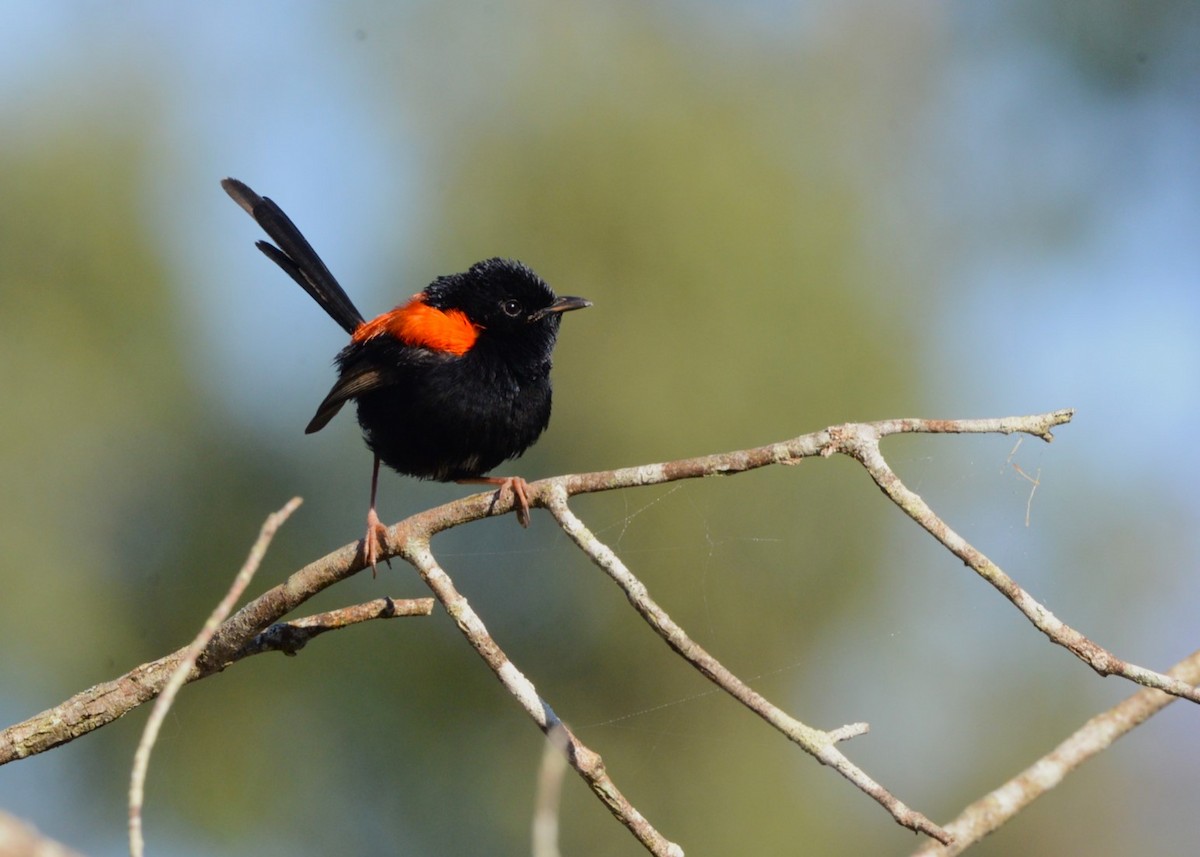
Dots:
{"x": 417, "y": 323}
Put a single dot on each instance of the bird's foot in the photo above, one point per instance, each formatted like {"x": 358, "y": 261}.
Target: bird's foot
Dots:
{"x": 518, "y": 486}
{"x": 520, "y": 489}
{"x": 374, "y": 541}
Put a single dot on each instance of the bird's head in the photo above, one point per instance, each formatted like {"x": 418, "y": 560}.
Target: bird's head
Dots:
{"x": 510, "y": 305}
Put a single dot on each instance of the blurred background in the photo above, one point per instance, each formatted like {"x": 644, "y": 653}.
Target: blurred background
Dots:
{"x": 788, "y": 216}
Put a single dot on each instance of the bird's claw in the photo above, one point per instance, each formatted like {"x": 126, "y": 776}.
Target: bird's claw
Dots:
{"x": 520, "y": 489}
{"x": 374, "y": 542}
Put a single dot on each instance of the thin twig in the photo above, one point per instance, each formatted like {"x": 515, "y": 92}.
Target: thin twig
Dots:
{"x": 1035, "y": 481}
{"x": 291, "y": 637}
{"x": 987, "y": 814}
{"x": 549, "y": 795}
{"x": 820, "y": 744}
{"x": 585, "y": 761}
{"x": 141, "y": 758}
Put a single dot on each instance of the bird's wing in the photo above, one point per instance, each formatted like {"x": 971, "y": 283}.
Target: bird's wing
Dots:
{"x": 353, "y": 382}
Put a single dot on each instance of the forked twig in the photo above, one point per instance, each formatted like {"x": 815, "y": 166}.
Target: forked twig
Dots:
{"x": 819, "y": 744}
{"x": 861, "y": 442}
{"x": 585, "y": 761}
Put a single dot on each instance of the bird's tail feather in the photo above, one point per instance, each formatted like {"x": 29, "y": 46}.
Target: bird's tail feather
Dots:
{"x": 295, "y": 255}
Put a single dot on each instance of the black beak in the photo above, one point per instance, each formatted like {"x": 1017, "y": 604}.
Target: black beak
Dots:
{"x": 563, "y": 304}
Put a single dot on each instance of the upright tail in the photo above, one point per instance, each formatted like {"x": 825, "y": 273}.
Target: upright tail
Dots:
{"x": 295, "y": 255}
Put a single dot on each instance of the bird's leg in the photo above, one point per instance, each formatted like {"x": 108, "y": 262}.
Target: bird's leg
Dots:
{"x": 377, "y": 533}
{"x": 518, "y": 486}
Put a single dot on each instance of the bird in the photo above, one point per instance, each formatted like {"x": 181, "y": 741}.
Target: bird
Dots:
{"x": 449, "y": 384}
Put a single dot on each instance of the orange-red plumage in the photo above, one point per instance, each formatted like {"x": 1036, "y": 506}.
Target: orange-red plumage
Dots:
{"x": 417, "y": 323}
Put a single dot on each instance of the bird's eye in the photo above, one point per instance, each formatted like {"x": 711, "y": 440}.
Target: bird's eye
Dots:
{"x": 511, "y": 308}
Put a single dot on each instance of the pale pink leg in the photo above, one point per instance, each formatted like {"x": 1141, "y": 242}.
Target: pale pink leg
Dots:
{"x": 377, "y": 533}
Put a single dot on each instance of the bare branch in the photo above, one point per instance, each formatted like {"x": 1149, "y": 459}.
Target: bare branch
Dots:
{"x": 991, "y": 811}
{"x": 817, "y": 743}
{"x": 141, "y": 758}
{"x": 105, "y": 702}
{"x": 1036, "y": 425}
